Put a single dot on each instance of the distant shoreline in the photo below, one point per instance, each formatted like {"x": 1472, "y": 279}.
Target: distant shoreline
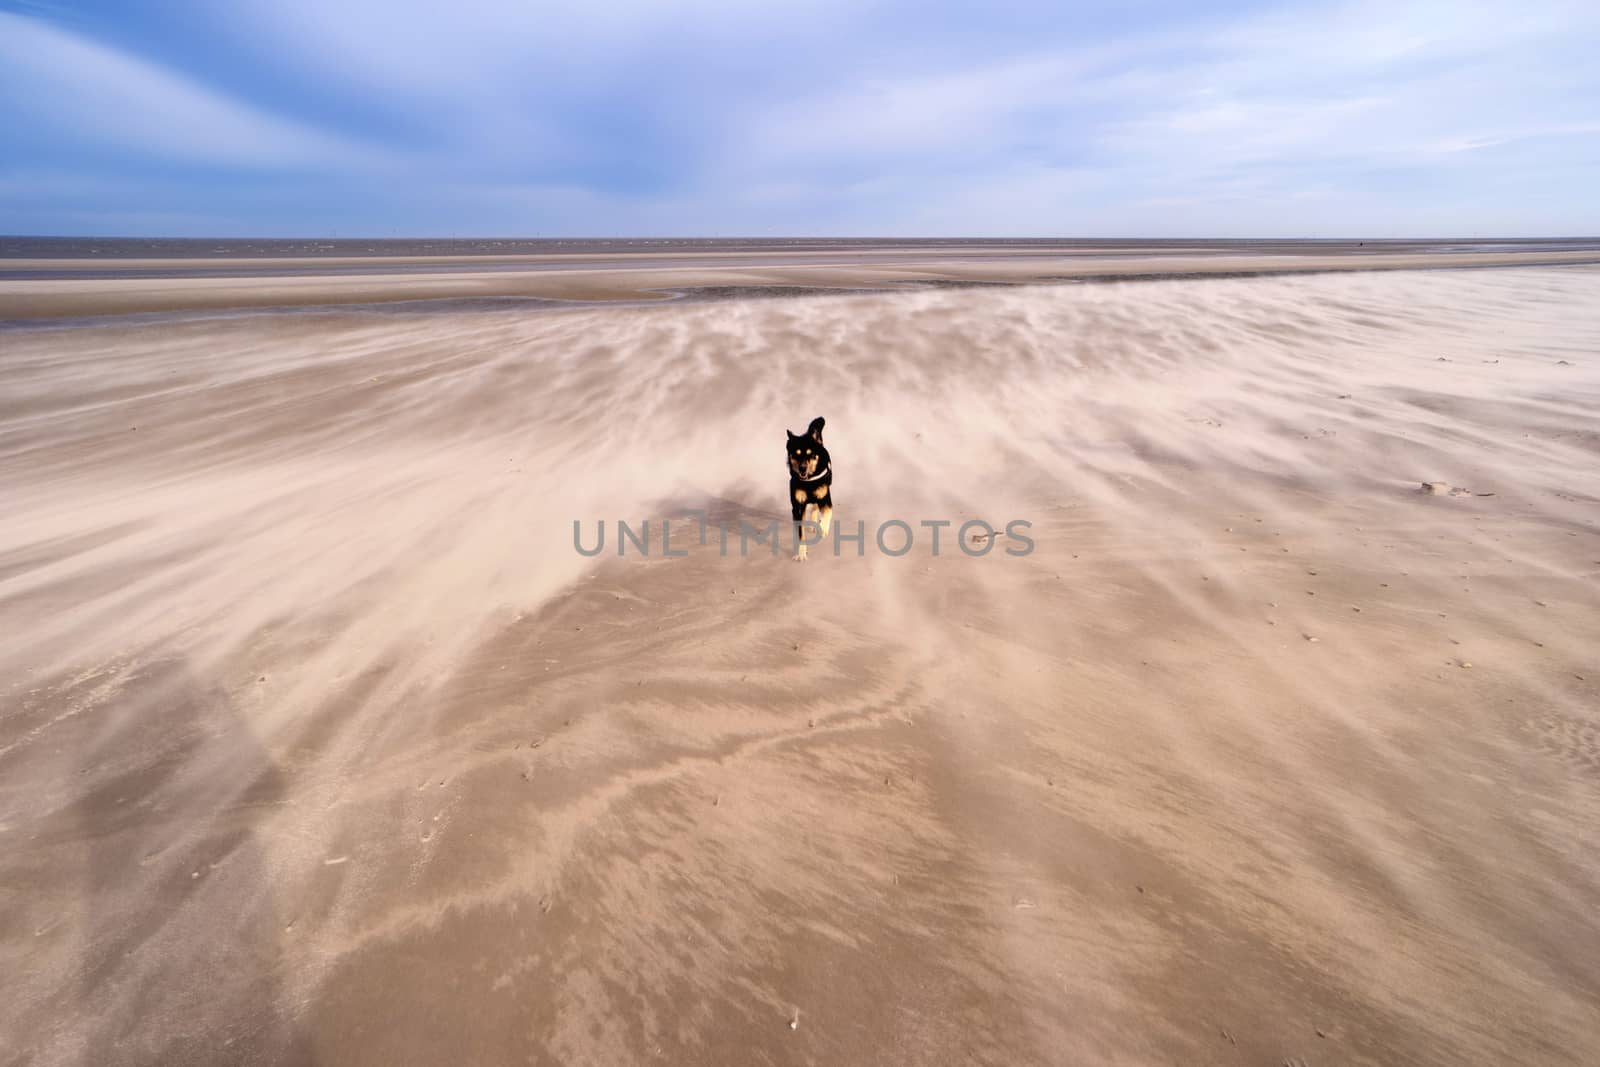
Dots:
{"x": 77, "y": 289}
{"x": 23, "y": 247}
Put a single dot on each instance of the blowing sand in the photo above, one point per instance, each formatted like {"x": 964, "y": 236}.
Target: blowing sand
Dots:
{"x": 321, "y": 744}
{"x": 33, "y": 288}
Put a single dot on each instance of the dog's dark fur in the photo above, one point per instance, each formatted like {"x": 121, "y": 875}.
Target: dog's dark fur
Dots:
{"x": 810, "y": 482}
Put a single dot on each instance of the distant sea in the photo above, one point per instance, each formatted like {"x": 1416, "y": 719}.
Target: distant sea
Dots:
{"x": 404, "y": 247}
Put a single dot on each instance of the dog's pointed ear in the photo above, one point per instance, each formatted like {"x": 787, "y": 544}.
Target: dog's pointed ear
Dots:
{"x": 814, "y": 431}
{"x": 792, "y": 435}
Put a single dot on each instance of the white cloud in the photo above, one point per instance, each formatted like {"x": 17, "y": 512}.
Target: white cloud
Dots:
{"x": 81, "y": 90}
{"x": 492, "y": 50}
{"x": 1365, "y": 108}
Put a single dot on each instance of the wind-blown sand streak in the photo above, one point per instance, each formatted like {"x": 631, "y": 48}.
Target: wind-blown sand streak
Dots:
{"x": 170, "y": 285}
{"x": 321, "y": 744}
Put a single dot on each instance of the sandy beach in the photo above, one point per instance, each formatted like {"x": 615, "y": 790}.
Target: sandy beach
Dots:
{"x": 320, "y": 742}
{"x": 125, "y": 278}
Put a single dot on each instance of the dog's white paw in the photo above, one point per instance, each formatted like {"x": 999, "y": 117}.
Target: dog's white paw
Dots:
{"x": 800, "y": 556}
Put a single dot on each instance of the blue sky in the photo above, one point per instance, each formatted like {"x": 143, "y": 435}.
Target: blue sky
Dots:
{"x": 1154, "y": 118}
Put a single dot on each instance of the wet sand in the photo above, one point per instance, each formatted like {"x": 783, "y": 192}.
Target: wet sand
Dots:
{"x": 321, "y": 744}
{"x": 82, "y": 279}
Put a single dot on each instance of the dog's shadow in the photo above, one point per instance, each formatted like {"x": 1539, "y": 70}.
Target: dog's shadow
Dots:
{"x": 721, "y": 510}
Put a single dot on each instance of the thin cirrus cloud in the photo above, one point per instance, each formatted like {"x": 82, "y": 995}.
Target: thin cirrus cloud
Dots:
{"x": 877, "y": 116}
{"x": 67, "y": 93}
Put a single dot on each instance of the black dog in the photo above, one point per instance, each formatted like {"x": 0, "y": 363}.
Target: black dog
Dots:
{"x": 810, "y": 483}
